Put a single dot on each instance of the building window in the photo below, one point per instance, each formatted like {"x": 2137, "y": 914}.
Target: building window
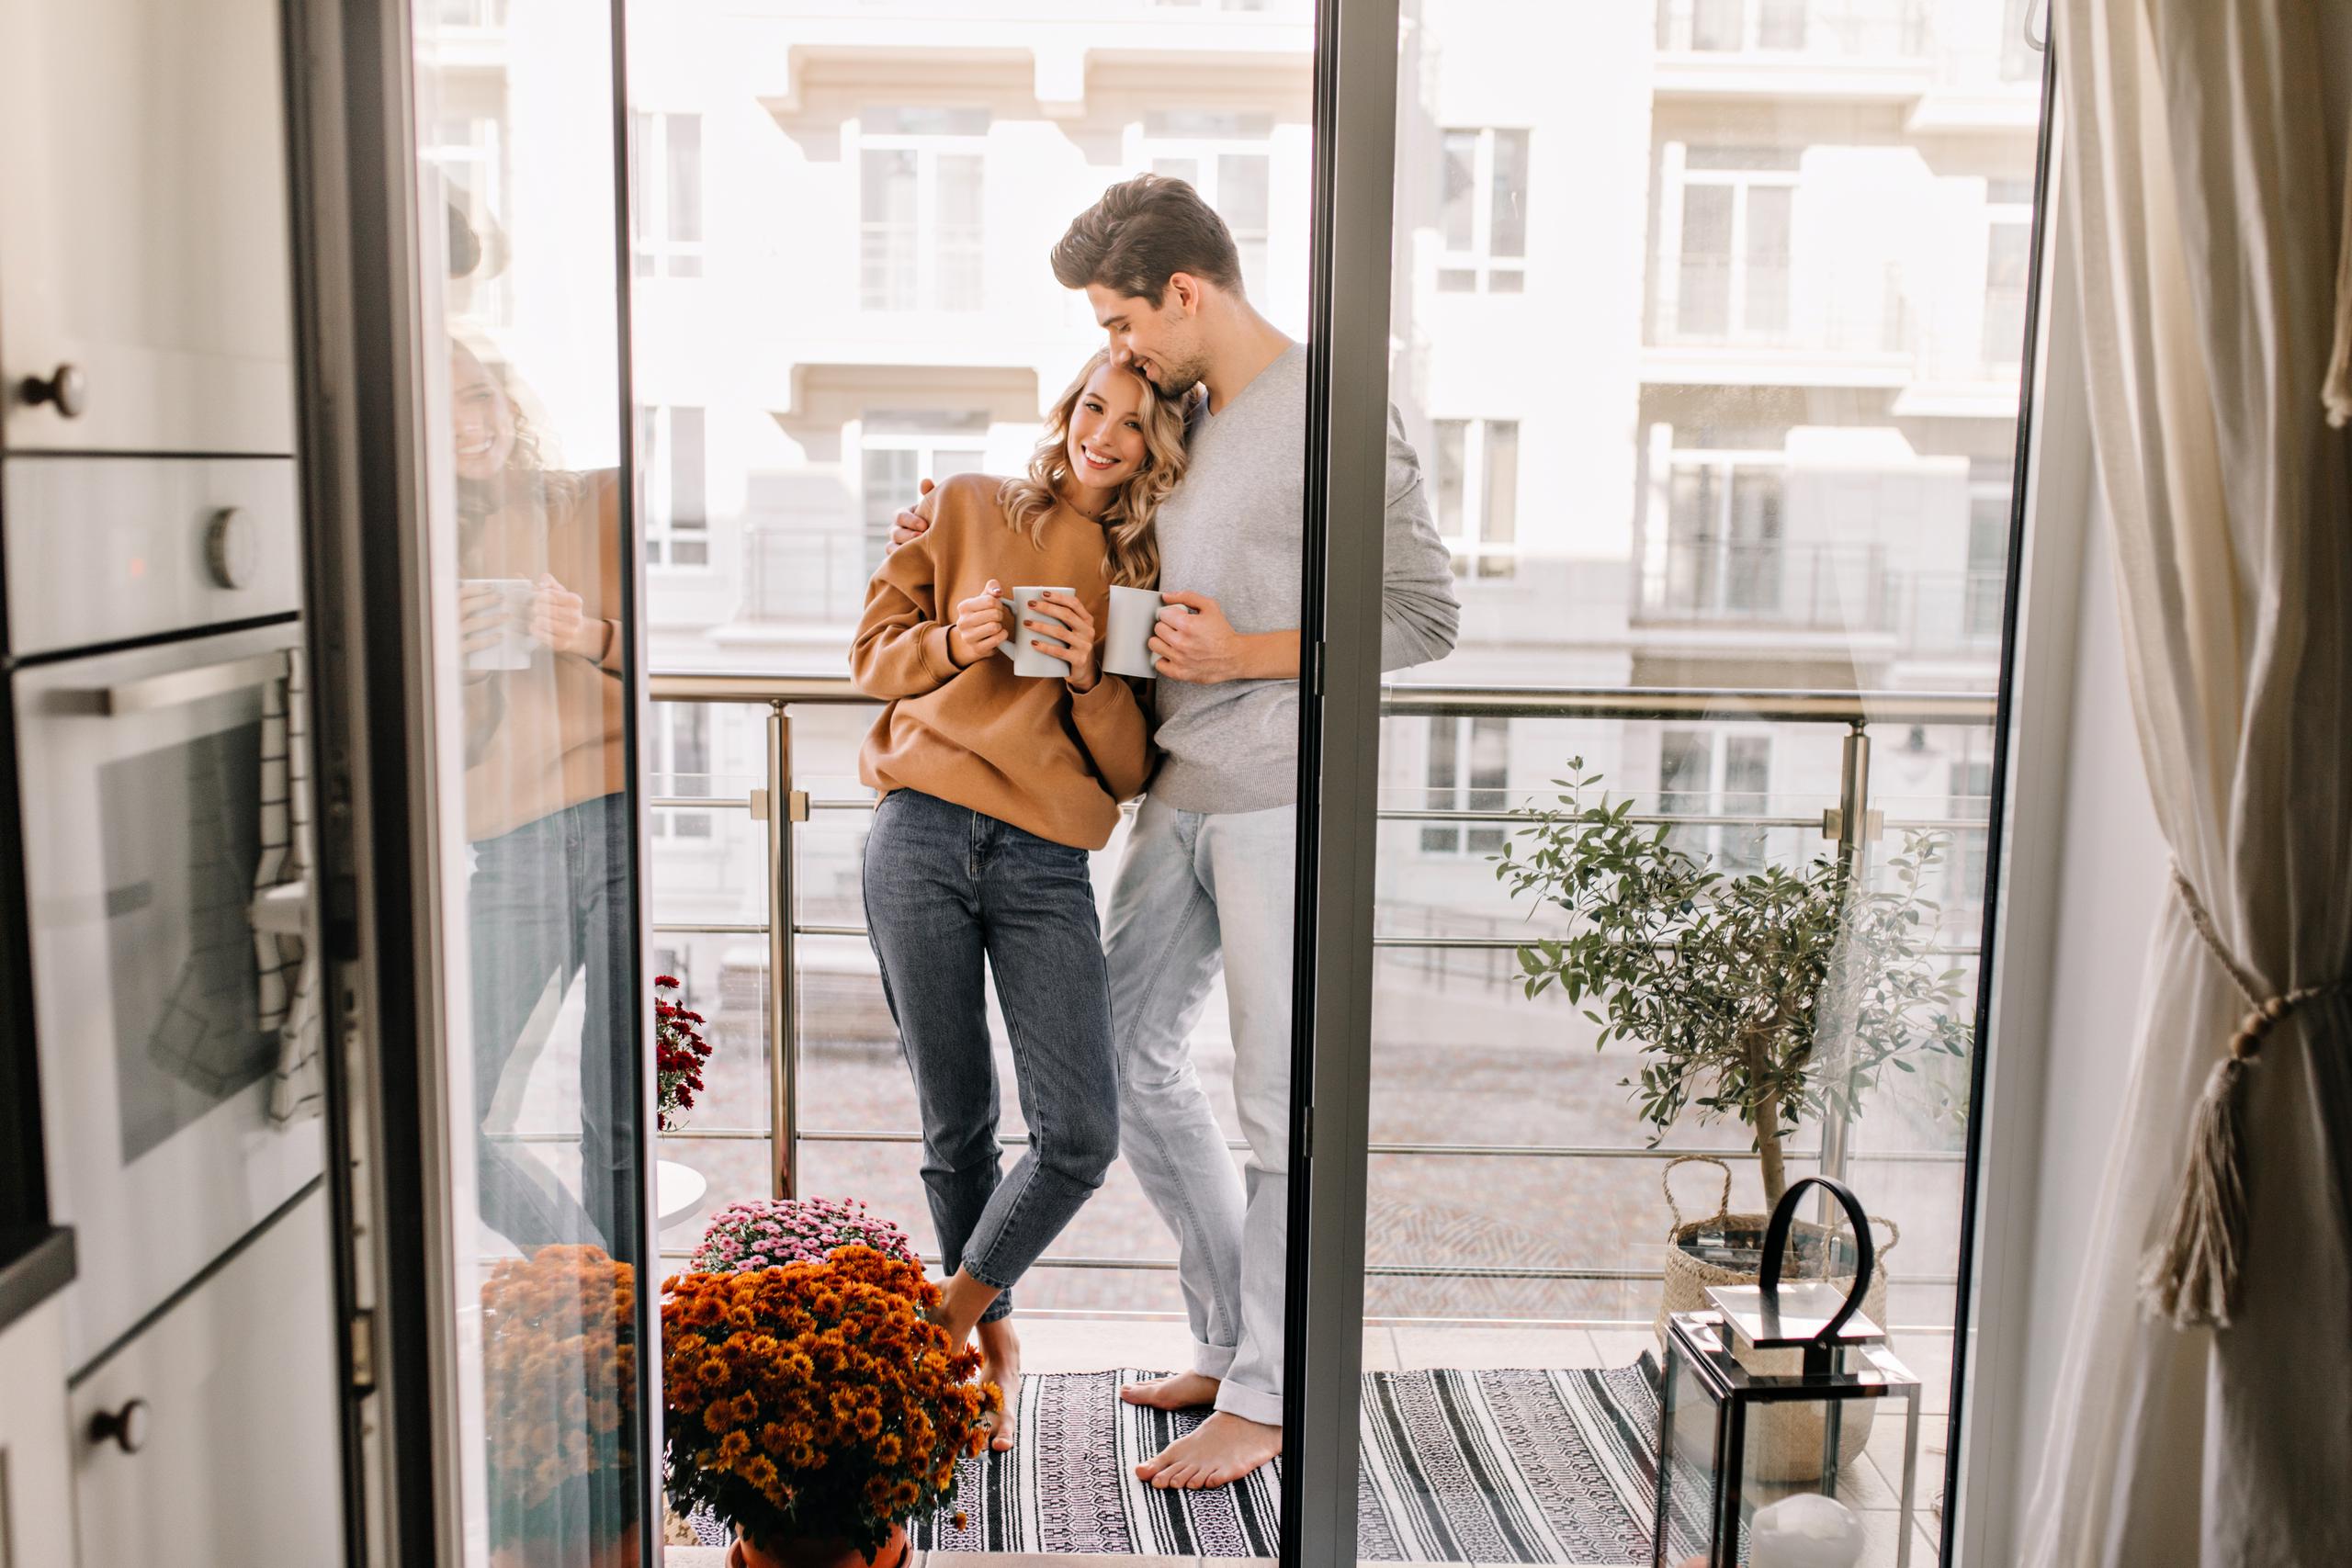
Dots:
{"x": 1482, "y": 212}
{"x": 1724, "y": 553}
{"x": 482, "y": 14}
{"x": 1989, "y": 481}
{"x": 920, "y": 195}
{"x": 899, "y": 449}
{"x": 673, "y": 468}
{"x": 2009, "y": 267}
{"x": 1227, "y": 158}
{"x": 1478, "y": 494}
{"x": 1469, "y": 770}
{"x": 1704, "y": 781}
{"x": 682, "y": 768}
{"x": 1972, "y": 801}
{"x": 1732, "y": 213}
{"x": 470, "y": 153}
{"x": 665, "y": 194}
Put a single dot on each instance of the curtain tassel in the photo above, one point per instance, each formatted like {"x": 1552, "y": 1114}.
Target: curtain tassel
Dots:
{"x": 2192, "y": 1276}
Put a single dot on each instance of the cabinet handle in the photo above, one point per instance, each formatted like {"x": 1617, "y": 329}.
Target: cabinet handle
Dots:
{"x": 66, "y": 386}
{"x": 126, "y": 1427}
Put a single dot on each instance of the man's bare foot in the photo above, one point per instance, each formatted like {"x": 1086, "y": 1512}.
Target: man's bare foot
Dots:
{"x": 1185, "y": 1390}
{"x": 1000, "y": 1364}
{"x": 1224, "y": 1449}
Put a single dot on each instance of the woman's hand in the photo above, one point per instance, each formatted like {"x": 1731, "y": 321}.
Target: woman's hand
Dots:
{"x": 482, "y": 618}
{"x": 979, "y": 628}
{"x": 559, "y": 617}
{"x": 1072, "y": 643}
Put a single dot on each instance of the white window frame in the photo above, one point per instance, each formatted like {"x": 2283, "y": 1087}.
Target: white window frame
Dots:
{"x": 1677, "y": 177}
{"x": 1713, "y": 839}
{"x": 654, "y": 251}
{"x": 1658, "y": 568}
{"x": 928, "y": 149}
{"x": 1474, "y": 553}
{"x": 664, "y": 531}
{"x": 1203, "y": 152}
{"x": 1480, "y": 262}
{"x": 673, "y": 822}
{"x": 1458, "y": 838}
{"x": 927, "y": 444}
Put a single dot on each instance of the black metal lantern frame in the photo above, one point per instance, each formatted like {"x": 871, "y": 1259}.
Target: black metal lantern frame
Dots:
{"x": 1844, "y": 1359}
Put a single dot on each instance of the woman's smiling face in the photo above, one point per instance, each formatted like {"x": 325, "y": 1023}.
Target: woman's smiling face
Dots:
{"x": 1106, "y": 445}
{"x": 484, "y": 420}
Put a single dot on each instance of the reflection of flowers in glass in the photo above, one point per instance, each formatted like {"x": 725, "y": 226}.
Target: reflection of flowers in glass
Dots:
{"x": 815, "y": 1402}
{"x": 765, "y": 1232}
{"x": 560, "y": 1391}
{"x": 679, "y": 1052}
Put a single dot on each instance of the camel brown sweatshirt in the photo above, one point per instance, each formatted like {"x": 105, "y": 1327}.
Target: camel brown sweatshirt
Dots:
{"x": 1025, "y": 750}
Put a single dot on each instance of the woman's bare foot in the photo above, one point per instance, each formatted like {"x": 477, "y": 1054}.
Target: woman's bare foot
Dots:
{"x": 1225, "y": 1449}
{"x": 1000, "y": 1364}
{"x": 1185, "y": 1390}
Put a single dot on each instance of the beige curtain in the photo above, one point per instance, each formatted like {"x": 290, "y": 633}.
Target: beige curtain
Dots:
{"x": 2211, "y": 1402}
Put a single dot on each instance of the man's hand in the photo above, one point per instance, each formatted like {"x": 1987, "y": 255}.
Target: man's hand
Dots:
{"x": 1201, "y": 647}
{"x": 915, "y": 521}
{"x": 979, "y": 626}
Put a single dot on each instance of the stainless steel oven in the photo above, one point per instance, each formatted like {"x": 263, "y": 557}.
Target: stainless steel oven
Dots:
{"x": 151, "y": 767}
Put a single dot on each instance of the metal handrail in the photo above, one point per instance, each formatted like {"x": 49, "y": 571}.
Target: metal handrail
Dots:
{"x": 780, "y": 806}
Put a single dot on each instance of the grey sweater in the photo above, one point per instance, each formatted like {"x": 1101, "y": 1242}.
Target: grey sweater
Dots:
{"x": 1236, "y": 530}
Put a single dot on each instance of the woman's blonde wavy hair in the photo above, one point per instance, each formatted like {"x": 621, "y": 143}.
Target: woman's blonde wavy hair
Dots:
{"x": 1130, "y": 548}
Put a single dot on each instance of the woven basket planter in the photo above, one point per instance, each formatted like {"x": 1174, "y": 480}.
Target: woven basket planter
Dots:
{"x": 1787, "y": 1444}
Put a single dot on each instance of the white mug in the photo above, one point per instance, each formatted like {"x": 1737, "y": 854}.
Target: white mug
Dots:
{"x": 512, "y": 650}
{"x": 1135, "y": 617}
{"x": 1027, "y": 660}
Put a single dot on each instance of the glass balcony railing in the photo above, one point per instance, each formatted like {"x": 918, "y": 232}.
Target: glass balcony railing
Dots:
{"x": 804, "y": 976}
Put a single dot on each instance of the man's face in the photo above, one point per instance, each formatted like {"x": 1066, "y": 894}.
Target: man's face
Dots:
{"x": 1161, "y": 341}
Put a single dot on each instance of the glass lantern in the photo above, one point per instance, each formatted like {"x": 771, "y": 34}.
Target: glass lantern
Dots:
{"x": 1750, "y": 1462}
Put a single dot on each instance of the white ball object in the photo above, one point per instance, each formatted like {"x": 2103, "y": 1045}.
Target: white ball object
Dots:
{"x": 1808, "y": 1530}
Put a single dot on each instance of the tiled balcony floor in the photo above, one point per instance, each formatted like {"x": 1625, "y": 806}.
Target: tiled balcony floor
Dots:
{"x": 1091, "y": 1344}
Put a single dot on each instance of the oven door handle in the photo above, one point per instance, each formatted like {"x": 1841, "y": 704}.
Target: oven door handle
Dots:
{"x": 175, "y": 688}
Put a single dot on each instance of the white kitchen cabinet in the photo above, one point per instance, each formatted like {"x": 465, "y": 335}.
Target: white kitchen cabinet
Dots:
{"x": 143, "y": 227}
{"x": 36, "y": 1520}
{"x": 236, "y": 1446}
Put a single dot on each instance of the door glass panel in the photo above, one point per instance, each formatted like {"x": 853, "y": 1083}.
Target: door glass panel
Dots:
{"x": 529, "y": 525}
{"x": 1757, "y": 472}
{"x": 876, "y": 309}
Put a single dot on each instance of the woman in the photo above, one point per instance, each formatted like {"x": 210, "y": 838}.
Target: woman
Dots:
{"x": 540, "y": 555}
{"x": 994, "y": 788}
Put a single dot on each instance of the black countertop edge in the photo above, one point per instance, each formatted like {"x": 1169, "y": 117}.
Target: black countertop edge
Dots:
{"x": 34, "y": 1264}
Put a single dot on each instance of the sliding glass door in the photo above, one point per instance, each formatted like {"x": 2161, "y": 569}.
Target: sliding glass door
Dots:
{"x": 1668, "y": 885}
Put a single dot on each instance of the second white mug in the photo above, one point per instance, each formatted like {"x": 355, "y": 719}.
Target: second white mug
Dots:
{"x": 1127, "y": 645}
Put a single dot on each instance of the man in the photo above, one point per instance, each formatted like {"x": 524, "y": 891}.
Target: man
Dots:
{"x": 1208, "y": 878}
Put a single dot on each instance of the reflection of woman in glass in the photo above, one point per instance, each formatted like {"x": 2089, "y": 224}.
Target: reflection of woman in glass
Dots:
{"x": 541, "y": 556}
{"x": 994, "y": 788}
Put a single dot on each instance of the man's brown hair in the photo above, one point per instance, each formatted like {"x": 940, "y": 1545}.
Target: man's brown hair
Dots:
{"x": 1142, "y": 233}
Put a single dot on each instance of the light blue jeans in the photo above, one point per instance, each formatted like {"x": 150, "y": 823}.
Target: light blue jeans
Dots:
{"x": 1196, "y": 892}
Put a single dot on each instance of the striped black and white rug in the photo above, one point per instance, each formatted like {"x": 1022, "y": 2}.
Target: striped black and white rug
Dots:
{"x": 1525, "y": 1466}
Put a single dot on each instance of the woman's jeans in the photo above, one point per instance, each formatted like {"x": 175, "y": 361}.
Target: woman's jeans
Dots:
{"x": 548, "y": 901}
{"x": 945, "y": 887}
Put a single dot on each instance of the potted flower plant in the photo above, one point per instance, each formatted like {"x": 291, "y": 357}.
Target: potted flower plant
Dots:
{"x": 559, "y": 1393}
{"x": 679, "y": 1054}
{"x": 766, "y": 1232}
{"x": 815, "y": 1406}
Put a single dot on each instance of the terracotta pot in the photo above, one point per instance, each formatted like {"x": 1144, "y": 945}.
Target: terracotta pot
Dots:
{"x": 831, "y": 1553}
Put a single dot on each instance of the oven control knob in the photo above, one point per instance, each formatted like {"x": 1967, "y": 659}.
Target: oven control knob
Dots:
{"x": 126, "y": 1429}
{"x": 66, "y": 387}
{"x": 230, "y": 547}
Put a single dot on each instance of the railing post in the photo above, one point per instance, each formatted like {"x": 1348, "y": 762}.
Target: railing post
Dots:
{"x": 784, "y": 1029}
{"x": 1853, "y": 849}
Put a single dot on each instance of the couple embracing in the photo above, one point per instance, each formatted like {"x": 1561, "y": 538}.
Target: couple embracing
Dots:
{"x": 1176, "y": 460}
